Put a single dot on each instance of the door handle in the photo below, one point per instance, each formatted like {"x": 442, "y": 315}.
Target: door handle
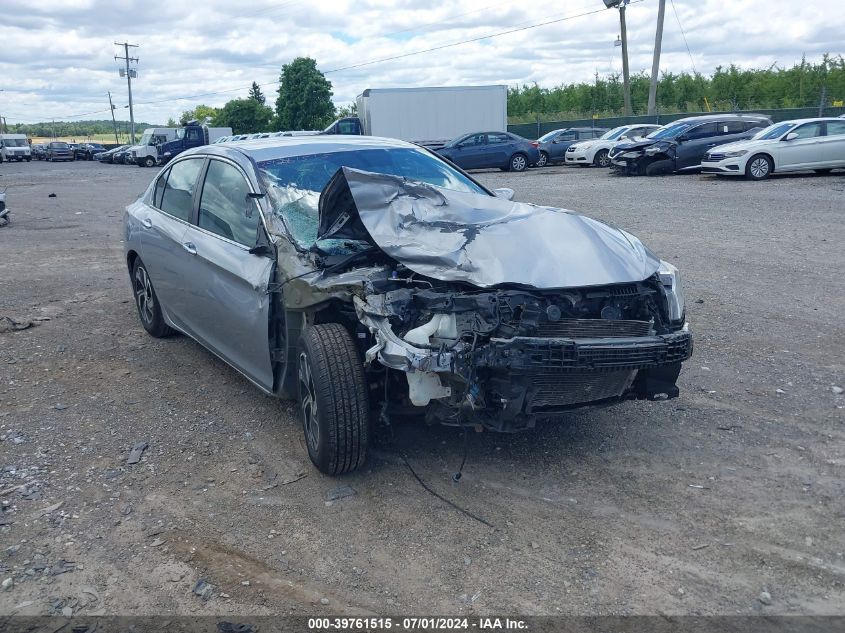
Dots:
{"x": 148, "y": 224}
{"x": 189, "y": 246}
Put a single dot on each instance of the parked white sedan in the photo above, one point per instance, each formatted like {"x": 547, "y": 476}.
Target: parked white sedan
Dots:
{"x": 596, "y": 152}
{"x": 804, "y": 144}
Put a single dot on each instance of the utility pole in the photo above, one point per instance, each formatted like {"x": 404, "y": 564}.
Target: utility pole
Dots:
{"x": 823, "y": 100}
{"x": 626, "y": 83}
{"x": 655, "y": 64}
{"x": 129, "y": 74}
{"x": 113, "y": 122}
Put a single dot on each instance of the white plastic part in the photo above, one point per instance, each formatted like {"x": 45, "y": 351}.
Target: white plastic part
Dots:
{"x": 424, "y": 386}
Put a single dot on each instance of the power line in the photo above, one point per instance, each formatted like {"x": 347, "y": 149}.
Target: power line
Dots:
{"x": 370, "y": 62}
{"x": 684, "y": 35}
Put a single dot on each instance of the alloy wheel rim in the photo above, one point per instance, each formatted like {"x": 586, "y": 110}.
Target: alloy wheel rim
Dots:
{"x": 604, "y": 159}
{"x": 519, "y": 163}
{"x": 760, "y": 167}
{"x": 542, "y": 161}
{"x": 144, "y": 295}
{"x": 309, "y": 403}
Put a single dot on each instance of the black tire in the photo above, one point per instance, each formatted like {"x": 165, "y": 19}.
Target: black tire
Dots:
{"x": 149, "y": 161}
{"x": 602, "y": 158}
{"x": 544, "y": 160}
{"x": 332, "y": 399}
{"x": 759, "y": 167}
{"x": 146, "y": 301}
{"x": 29, "y": 159}
{"x": 659, "y": 167}
{"x": 518, "y": 162}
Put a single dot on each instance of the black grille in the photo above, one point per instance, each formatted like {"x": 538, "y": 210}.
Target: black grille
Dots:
{"x": 556, "y": 391}
{"x": 593, "y": 328}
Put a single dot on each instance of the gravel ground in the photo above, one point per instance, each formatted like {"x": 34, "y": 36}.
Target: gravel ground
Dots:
{"x": 726, "y": 500}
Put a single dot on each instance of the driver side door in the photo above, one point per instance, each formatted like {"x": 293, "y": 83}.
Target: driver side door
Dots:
{"x": 231, "y": 305}
{"x": 470, "y": 154}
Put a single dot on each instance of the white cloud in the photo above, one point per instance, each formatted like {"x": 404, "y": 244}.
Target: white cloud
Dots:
{"x": 56, "y": 58}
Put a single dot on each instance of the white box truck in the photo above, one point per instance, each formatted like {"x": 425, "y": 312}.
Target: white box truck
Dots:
{"x": 427, "y": 116}
{"x": 14, "y": 147}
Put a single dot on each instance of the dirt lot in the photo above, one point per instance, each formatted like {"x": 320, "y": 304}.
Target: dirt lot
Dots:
{"x": 694, "y": 506}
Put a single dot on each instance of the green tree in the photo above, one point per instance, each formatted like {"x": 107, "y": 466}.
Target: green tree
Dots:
{"x": 255, "y": 93}
{"x": 305, "y": 97}
{"x": 171, "y": 122}
{"x": 244, "y": 116}
{"x": 199, "y": 113}
{"x": 350, "y": 109}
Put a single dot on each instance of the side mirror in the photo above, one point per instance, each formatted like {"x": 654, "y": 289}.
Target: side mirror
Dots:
{"x": 790, "y": 136}
{"x": 261, "y": 249}
{"x": 504, "y": 192}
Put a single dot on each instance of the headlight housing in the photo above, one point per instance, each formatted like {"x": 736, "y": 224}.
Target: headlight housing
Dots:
{"x": 735, "y": 154}
{"x": 670, "y": 278}
{"x": 631, "y": 154}
{"x": 653, "y": 149}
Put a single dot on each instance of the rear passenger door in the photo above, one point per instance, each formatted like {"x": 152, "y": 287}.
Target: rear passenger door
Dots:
{"x": 163, "y": 226}
{"x": 500, "y": 147}
{"x": 557, "y": 151}
{"x": 230, "y": 312}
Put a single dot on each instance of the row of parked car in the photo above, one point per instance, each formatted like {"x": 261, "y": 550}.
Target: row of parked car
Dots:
{"x": 59, "y": 150}
{"x": 747, "y": 145}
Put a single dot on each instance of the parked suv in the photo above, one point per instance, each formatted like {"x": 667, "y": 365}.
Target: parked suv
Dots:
{"x": 58, "y": 150}
{"x": 86, "y": 151}
{"x": 483, "y": 150}
{"x": 553, "y": 145}
{"x": 683, "y": 143}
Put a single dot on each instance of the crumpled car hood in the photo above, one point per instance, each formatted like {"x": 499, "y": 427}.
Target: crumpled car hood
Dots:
{"x": 479, "y": 239}
{"x": 628, "y": 146}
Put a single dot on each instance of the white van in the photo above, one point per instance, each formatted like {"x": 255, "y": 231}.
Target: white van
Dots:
{"x": 14, "y": 147}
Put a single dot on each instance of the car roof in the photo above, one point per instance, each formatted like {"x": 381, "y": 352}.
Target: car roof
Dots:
{"x": 810, "y": 120}
{"x": 720, "y": 117}
{"x": 262, "y": 149}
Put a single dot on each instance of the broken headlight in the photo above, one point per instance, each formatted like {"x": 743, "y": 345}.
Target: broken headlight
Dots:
{"x": 671, "y": 280}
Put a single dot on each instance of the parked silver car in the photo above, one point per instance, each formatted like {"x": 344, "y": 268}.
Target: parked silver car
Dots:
{"x": 368, "y": 276}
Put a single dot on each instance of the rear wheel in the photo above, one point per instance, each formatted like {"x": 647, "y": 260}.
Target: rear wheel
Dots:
{"x": 146, "y": 301}
{"x": 759, "y": 167}
{"x": 518, "y": 162}
{"x": 333, "y": 399}
{"x": 602, "y": 159}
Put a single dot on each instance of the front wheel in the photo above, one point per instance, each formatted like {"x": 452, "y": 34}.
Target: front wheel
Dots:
{"x": 518, "y": 162}
{"x": 759, "y": 167}
{"x": 146, "y": 301}
{"x": 149, "y": 161}
{"x": 333, "y": 399}
{"x": 602, "y": 159}
{"x": 544, "y": 159}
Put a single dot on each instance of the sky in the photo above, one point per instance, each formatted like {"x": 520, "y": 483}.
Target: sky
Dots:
{"x": 57, "y": 56}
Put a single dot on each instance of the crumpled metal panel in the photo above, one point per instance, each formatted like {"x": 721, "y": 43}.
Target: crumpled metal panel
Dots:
{"x": 489, "y": 241}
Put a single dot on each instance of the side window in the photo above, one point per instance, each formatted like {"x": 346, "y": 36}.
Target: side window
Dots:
{"x": 755, "y": 125}
{"x": 193, "y": 134}
{"x": 159, "y": 190}
{"x": 703, "y": 131}
{"x": 594, "y": 134}
{"x": 836, "y": 128}
{"x": 475, "y": 139}
{"x": 498, "y": 137}
{"x": 225, "y": 206}
{"x": 178, "y": 194}
{"x": 732, "y": 127}
{"x": 347, "y": 127}
{"x": 570, "y": 135}
{"x": 809, "y": 130}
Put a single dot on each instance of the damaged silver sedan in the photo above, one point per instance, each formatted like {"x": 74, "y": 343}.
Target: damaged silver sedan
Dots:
{"x": 371, "y": 279}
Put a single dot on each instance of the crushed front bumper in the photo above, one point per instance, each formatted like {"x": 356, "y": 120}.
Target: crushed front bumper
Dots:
{"x": 507, "y": 384}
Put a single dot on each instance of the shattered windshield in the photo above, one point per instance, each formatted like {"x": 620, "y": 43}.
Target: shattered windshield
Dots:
{"x": 294, "y": 183}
